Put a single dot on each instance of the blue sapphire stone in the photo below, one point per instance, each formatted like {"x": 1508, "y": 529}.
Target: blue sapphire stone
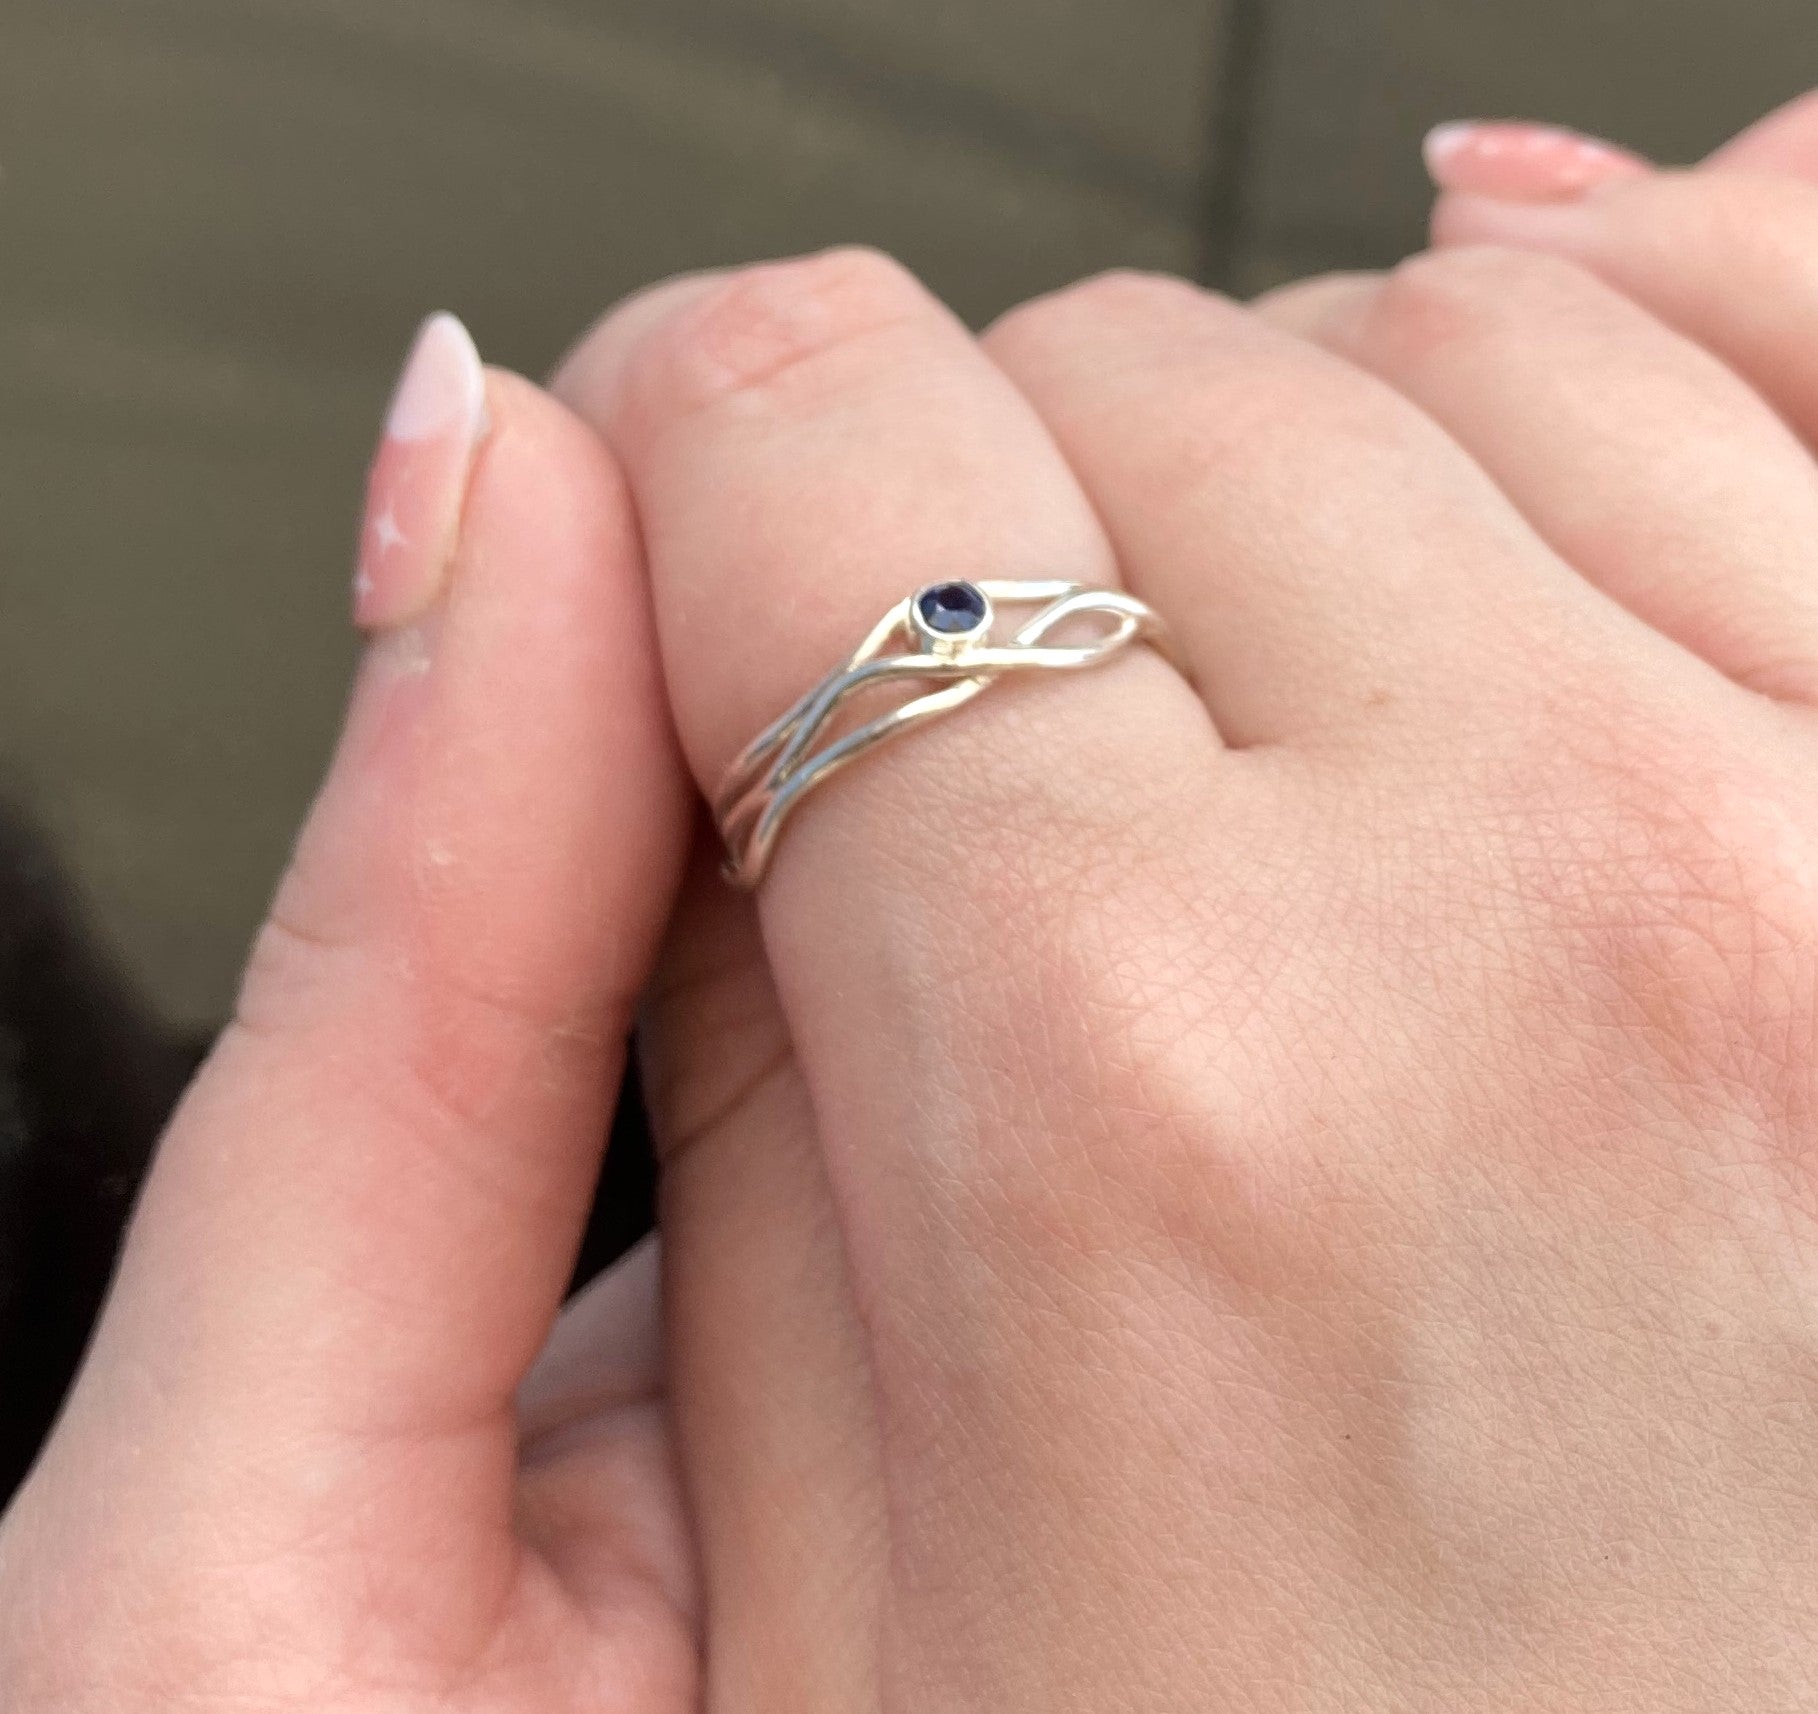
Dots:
{"x": 952, "y": 609}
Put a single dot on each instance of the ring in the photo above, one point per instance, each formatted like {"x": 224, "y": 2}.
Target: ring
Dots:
{"x": 942, "y": 635}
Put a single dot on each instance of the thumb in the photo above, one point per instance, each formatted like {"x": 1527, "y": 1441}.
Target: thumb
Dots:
{"x": 360, "y": 1224}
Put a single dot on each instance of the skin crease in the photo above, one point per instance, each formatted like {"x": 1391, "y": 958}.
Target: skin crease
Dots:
{"x": 1293, "y": 1191}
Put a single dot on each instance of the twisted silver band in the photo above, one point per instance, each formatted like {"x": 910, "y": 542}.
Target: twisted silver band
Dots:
{"x": 943, "y": 637}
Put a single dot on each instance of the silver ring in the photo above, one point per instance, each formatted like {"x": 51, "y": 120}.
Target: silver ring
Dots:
{"x": 940, "y": 634}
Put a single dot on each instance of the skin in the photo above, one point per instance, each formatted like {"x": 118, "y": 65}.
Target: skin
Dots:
{"x": 1292, "y": 1190}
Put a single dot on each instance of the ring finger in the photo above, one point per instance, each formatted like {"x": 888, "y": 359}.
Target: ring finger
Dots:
{"x": 807, "y": 443}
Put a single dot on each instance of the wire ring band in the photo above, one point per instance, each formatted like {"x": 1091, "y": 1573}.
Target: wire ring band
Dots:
{"x": 941, "y": 636}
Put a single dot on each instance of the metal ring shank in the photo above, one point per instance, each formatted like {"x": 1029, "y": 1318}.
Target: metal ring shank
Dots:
{"x": 782, "y": 764}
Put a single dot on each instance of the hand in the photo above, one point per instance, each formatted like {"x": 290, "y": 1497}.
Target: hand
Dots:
{"x": 1290, "y": 1193}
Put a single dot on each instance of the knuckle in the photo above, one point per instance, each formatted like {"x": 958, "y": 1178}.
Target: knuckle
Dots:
{"x": 437, "y": 1045}
{"x": 1317, "y": 303}
{"x": 1442, "y": 298}
{"x": 1094, "y": 944}
{"x": 1128, "y": 291}
{"x": 761, "y": 325}
{"x": 1117, "y": 297}
{"x": 294, "y": 973}
{"x": 1159, "y": 1123}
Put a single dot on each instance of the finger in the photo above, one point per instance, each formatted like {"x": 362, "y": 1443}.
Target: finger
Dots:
{"x": 716, "y": 365}
{"x": 605, "y": 1350}
{"x": 770, "y": 1389}
{"x": 598, "y": 1492}
{"x": 1725, "y": 258}
{"x": 1524, "y": 162}
{"x": 1633, "y": 451}
{"x": 1786, "y": 141}
{"x": 1521, "y": 161}
{"x": 1244, "y": 477}
{"x": 766, "y": 1384}
{"x": 808, "y": 443}
{"x": 362, "y": 1218}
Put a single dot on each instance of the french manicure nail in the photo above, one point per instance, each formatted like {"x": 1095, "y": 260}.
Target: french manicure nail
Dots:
{"x": 1522, "y": 162}
{"x": 419, "y": 475}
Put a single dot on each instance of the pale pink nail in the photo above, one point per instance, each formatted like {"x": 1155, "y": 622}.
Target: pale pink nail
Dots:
{"x": 1521, "y": 162}
{"x": 418, "y": 481}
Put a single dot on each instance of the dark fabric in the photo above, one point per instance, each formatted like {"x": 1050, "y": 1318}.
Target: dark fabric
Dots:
{"x": 86, "y": 1080}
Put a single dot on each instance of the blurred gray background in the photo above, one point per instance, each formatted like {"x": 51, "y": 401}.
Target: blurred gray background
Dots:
{"x": 220, "y": 221}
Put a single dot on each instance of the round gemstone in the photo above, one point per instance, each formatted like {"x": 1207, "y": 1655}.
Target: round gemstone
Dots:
{"x": 952, "y": 609}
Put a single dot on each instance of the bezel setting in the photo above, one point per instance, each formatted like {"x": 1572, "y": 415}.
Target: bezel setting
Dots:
{"x": 948, "y": 617}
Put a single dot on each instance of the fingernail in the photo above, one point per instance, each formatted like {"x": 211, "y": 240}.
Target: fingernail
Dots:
{"x": 1520, "y": 162}
{"x": 419, "y": 477}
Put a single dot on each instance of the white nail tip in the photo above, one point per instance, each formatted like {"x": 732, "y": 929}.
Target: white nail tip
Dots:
{"x": 443, "y": 387}
{"x": 1444, "y": 141}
